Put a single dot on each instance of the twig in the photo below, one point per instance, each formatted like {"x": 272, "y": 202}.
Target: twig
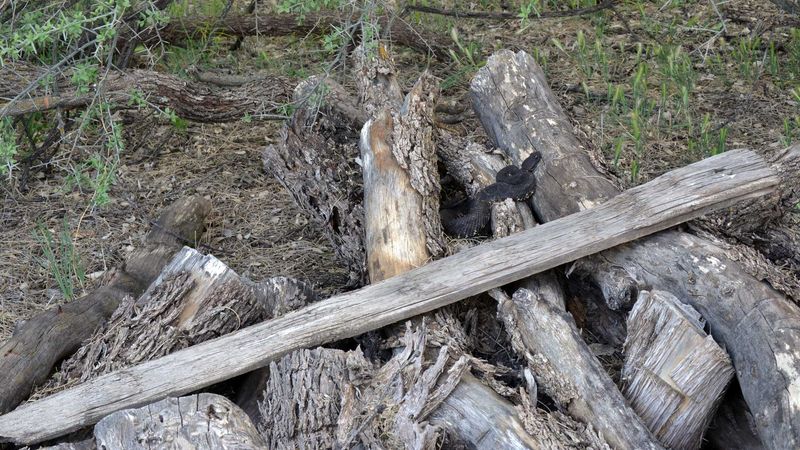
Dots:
{"x": 497, "y": 15}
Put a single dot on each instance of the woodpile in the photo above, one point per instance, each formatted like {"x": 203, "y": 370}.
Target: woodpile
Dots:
{"x": 578, "y": 271}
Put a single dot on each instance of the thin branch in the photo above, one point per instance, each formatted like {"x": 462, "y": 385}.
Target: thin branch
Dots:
{"x": 497, "y": 15}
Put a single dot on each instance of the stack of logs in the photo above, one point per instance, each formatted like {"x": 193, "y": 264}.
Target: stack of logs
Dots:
{"x": 689, "y": 313}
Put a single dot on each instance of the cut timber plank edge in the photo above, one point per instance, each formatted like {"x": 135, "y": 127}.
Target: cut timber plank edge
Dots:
{"x": 668, "y": 200}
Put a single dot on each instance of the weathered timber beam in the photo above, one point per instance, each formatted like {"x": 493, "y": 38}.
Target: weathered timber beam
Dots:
{"x": 521, "y": 114}
{"x": 28, "y": 357}
{"x": 675, "y": 197}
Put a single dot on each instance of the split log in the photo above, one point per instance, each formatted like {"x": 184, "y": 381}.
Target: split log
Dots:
{"x": 195, "y": 298}
{"x": 202, "y": 421}
{"x": 674, "y": 373}
{"x": 28, "y": 357}
{"x": 664, "y": 202}
{"x": 565, "y": 366}
{"x": 521, "y": 114}
{"x": 190, "y": 100}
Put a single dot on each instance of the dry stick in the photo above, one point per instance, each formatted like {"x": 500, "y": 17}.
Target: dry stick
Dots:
{"x": 513, "y": 87}
{"x": 673, "y": 198}
{"x": 27, "y": 358}
{"x": 510, "y": 16}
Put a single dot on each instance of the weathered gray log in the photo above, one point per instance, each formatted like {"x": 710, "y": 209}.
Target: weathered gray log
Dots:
{"x": 201, "y": 421}
{"x": 568, "y": 372}
{"x": 195, "y": 298}
{"x": 521, "y": 114}
{"x": 674, "y": 374}
{"x": 28, "y": 357}
{"x": 316, "y": 161}
{"x": 674, "y": 197}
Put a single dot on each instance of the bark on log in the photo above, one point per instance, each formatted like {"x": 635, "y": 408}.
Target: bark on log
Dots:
{"x": 28, "y": 357}
{"x": 521, "y": 114}
{"x": 568, "y": 371}
{"x": 674, "y": 373}
{"x": 201, "y": 421}
{"x": 190, "y": 100}
{"x": 304, "y": 396}
{"x": 674, "y": 197}
{"x": 195, "y": 298}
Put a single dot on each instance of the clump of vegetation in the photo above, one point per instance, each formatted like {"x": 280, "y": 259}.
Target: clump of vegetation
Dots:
{"x": 61, "y": 259}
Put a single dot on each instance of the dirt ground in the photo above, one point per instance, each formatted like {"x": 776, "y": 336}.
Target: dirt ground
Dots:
{"x": 257, "y": 230}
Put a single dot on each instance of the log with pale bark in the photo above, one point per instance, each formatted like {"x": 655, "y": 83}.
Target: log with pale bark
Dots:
{"x": 201, "y": 422}
{"x": 29, "y": 356}
{"x": 664, "y": 202}
{"x": 521, "y": 114}
{"x": 674, "y": 373}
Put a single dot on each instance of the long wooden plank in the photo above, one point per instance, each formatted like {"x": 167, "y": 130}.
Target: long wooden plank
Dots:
{"x": 673, "y": 198}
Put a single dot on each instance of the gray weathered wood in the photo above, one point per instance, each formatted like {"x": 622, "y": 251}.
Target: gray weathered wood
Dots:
{"x": 674, "y": 373}
{"x": 664, "y": 202}
{"x": 28, "y": 357}
{"x": 521, "y": 114}
{"x": 568, "y": 372}
{"x": 200, "y": 422}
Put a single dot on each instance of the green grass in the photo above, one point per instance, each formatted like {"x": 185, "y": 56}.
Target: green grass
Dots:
{"x": 61, "y": 259}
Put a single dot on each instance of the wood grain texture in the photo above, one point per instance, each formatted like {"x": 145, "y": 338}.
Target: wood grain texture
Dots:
{"x": 199, "y": 422}
{"x": 664, "y": 202}
{"x": 674, "y": 373}
{"x": 29, "y": 356}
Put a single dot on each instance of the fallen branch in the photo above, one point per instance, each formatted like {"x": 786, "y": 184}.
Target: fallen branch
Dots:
{"x": 190, "y": 100}
{"x": 497, "y": 15}
{"x": 272, "y": 24}
{"x": 664, "y": 202}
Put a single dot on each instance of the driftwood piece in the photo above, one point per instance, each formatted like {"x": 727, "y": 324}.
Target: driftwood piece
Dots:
{"x": 568, "y": 371}
{"x": 28, "y": 357}
{"x": 677, "y": 196}
{"x": 674, "y": 374}
{"x": 316, "y": 161}
{"x": 758, "y": 326}
{"x": 190, "y": 100}
{"x": 195, "y": 298}
{"x": 521, "y": 114}
{"x": 201, "y": 421}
